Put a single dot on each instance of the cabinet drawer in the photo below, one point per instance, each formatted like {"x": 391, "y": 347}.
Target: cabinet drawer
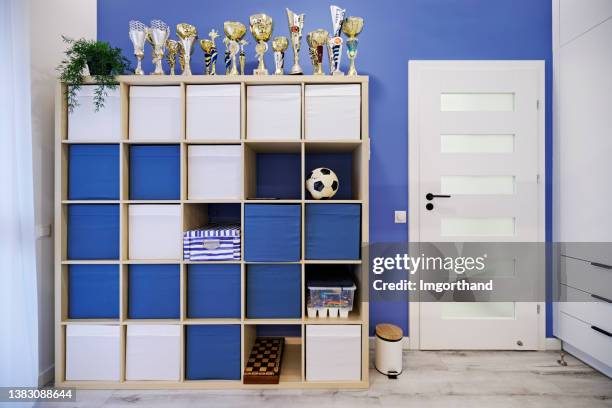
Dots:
{"x": 585, "y": 307}
{"x": 586, "y": 276}
{"x": 583, "y": 337}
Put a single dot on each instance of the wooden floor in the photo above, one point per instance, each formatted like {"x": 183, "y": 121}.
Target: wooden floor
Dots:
{"x": 430, "y": 379}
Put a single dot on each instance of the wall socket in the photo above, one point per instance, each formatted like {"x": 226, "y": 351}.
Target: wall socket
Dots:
{"x": 400, "y": 217}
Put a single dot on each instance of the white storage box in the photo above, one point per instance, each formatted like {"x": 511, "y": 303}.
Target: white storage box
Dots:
{"x": 155, "y": 231}
{"x": 153, "y": 352}
{"x": 215, "y": 242}
{"x": 85, "y": 124}
{"x": 155, "y": 113}
{"x": 214, "y": 172}
{"x": 92, "y": 353}
{"x": 333, "y": 112}
{"x": 274, "y": 112}
{"x": 333, "y": 352}
{"x": 213, "y": 112}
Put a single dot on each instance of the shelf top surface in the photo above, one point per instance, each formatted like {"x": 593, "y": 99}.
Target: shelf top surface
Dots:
{"x": 236, "y": 79}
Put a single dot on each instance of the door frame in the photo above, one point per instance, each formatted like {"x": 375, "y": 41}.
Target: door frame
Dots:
{"x": 415, "y": 67}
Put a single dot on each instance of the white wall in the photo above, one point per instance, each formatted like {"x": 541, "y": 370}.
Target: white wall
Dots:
{"x": 49, "y": 20}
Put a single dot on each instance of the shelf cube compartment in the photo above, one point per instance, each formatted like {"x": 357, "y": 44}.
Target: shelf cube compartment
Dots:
{"x": 153, "y": 352}
{"x": 213, "y": 291}
{"x": 272, "y": 232}
{"x": 213, "y": 352}
{"x": 333, "y": 352}
{"x": 86, "y": 124}
{"x": 273, "y": 172}
{"x": 213, "y": 112}
{"x": 212, "y": 232}
{"x": 93, "y": 292}
{"x": 92, "y": 352}
{"x": 214, "y": 172}
{"x": 342, "y": 164}
{"x": 274, "y": 112}
{"x": 93, "y": 231}
{"x": 155, "y": 113}
{"x": 155, "y": 232}
{"x": 273, "y": 291}
{"x": 155, "y": 172}
{"x": 154, "y": 291}
{"x": 333, "y": 231}
{"x": 93, "y": 172}
{"x": 333, "y": 112}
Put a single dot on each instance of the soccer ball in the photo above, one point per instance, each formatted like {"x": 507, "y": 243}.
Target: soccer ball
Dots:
{"x": 322, "y": 183}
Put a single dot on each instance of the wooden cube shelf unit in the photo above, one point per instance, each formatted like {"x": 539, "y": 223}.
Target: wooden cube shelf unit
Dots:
{"x": 355, "y": 156}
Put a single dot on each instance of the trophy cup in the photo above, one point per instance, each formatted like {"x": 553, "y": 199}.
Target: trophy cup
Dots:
{"x": 173, "y": 48}
{"x": 352, "y": 26}
{"x": 242, "y": 60}
{"x": 279, "y": 45}
{"x": 316, "y": 40}
{"x": 234, "y": 32}
{"x": 296, "y": 25}
{"x": 138, "y": 34}
{"x": 159, "y": 32}
{"x": 334, "y": 46}
{"x": 188, "y": 35}
{"x": 261, "y": 28}
{"x": 210, "y": 53}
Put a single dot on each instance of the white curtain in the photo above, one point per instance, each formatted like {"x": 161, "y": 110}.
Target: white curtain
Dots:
{"x": 18, "y": 290}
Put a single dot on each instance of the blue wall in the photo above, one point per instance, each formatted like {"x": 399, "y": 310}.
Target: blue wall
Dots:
{"x": 395, "y": 32}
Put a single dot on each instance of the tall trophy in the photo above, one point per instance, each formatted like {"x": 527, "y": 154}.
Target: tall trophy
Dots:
{"x": 138, "y": 34}
{"x": 188, "y": 35}
{"x": 159, "y": 32}
{"x": 352, "y": 26}
{"x": 296, "y": 25}
{"x": 334, "y": 46}
{"x": 316, "y": 40}
{"x": 242, "y": 58}
{"x": 173, "y": 48}
{"x": 210, "y": 53}
{"x": 261, "y": 28}
{"x": 279, "y": 45}
{"x": 234, "y": 32}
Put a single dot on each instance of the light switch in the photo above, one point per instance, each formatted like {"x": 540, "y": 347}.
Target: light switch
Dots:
{"x": 400, "y": 217}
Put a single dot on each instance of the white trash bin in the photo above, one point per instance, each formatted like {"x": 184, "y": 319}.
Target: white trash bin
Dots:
{"x": 388, "y": 350}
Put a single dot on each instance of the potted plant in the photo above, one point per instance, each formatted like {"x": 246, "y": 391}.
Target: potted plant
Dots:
{"x": 101, "y": 60}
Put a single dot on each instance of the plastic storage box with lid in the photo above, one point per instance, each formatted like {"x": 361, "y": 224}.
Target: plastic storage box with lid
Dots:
{"x": 214, "y": 172}
{"x": 333, "y": 112}
{"x": 153, "y": 352}
{"x": 154, "y": 291}
{"x": 214, "y": 242}
{"x": 212, "y": 352}
{"x": 333, "y": 352}
{"x": 93, "y": 231}
{"x": 213, "y": 291}
{"x": 274, "y": 112}
{"x": 92, "y": 352}
{"x": 273, "y": 291}
{"x": 155, "y": 113}
{"x": 272, "y": 232}
{"x": 155, "y": 172}
{"x": 93, "y": 291}
{"x": 333, "y": 231}
{"x": 85, "y": 124}
{"x": 213, "y": 112}
{"x": 332, "y": 296}
{"x": 155, "y": 232}
{"x": 93, "y": 172}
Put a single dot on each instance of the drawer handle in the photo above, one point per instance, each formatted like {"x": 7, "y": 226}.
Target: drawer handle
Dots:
{"x": 601, "y": 298}
{"x": 602, "y": 331}
{"x": 600, "y": 265}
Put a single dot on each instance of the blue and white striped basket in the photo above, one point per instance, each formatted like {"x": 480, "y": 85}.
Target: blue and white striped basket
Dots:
{"x": 213, "y": 242}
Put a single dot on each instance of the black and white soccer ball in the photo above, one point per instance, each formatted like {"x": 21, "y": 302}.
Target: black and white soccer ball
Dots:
{"x": 322, "y": 183}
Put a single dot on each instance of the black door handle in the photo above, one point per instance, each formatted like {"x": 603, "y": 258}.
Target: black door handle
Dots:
{"x": 603, "y": 299}
{"x": 430, "y": 196}
{"x": 602, "y": 331}
{"x": 600, "y": 265}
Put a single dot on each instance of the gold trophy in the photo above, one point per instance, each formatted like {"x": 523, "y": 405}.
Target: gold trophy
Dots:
{"x": 210, "y": 53}
{"x": 352, "y": 26}
{"x": 234, "y": 32}
{"x": 279, "y": 45}
{"x": 316, "y": 40}
{"x": 261, "y": 28}
{"x": 188, "y": 35}
{"x": 173, "y": 48}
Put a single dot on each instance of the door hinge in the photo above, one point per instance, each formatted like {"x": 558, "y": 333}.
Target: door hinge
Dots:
{"x": 537, "y": 178}
{"x": 537, "y": 104}
{"x": 538, "y": 308}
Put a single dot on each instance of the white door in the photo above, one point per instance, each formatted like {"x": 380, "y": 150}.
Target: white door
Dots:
{"x": 477, "y": 136}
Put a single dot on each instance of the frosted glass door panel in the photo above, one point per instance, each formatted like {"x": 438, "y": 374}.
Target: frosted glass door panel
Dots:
{"x": 477, "y": 102}
{"x": 477, "y": 227}
{"x": 478, "y": 310}
{"x": 477, "y": 184}
{"x": 477, "y": 144}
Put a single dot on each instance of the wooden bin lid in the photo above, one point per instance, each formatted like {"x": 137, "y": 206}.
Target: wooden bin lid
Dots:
{"x": 389, "y": 332}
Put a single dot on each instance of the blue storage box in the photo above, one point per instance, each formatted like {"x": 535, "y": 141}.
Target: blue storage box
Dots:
{"x": 213, "y": 352}
{"x": 154, "y": 292}
{"x": 93, "y": 231}
{"x": 93, "y": 172}
{"x": 272, "y": 232}
{"x": 333, "y": 231}
{"x": 93, "y": 292}
{"x": 213, "y": 291}
{"x": 155, "y": 172}
{"x": 274, "y": 291}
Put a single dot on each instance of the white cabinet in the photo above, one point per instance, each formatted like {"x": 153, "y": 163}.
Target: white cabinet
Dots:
{"x": 155, "y": 232}
{"x": 153, "y": 352}
{"x": 333, "y": 352}
{"x": 333, "y": 112}
{"x": 274, "y": 112}
{"x": 155, "y": 113}
{"x": 214, "y": 172}
{"x": 213, "y": 112}
{"x": 92, "y": 352}
{"x": 85, "y": 124}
